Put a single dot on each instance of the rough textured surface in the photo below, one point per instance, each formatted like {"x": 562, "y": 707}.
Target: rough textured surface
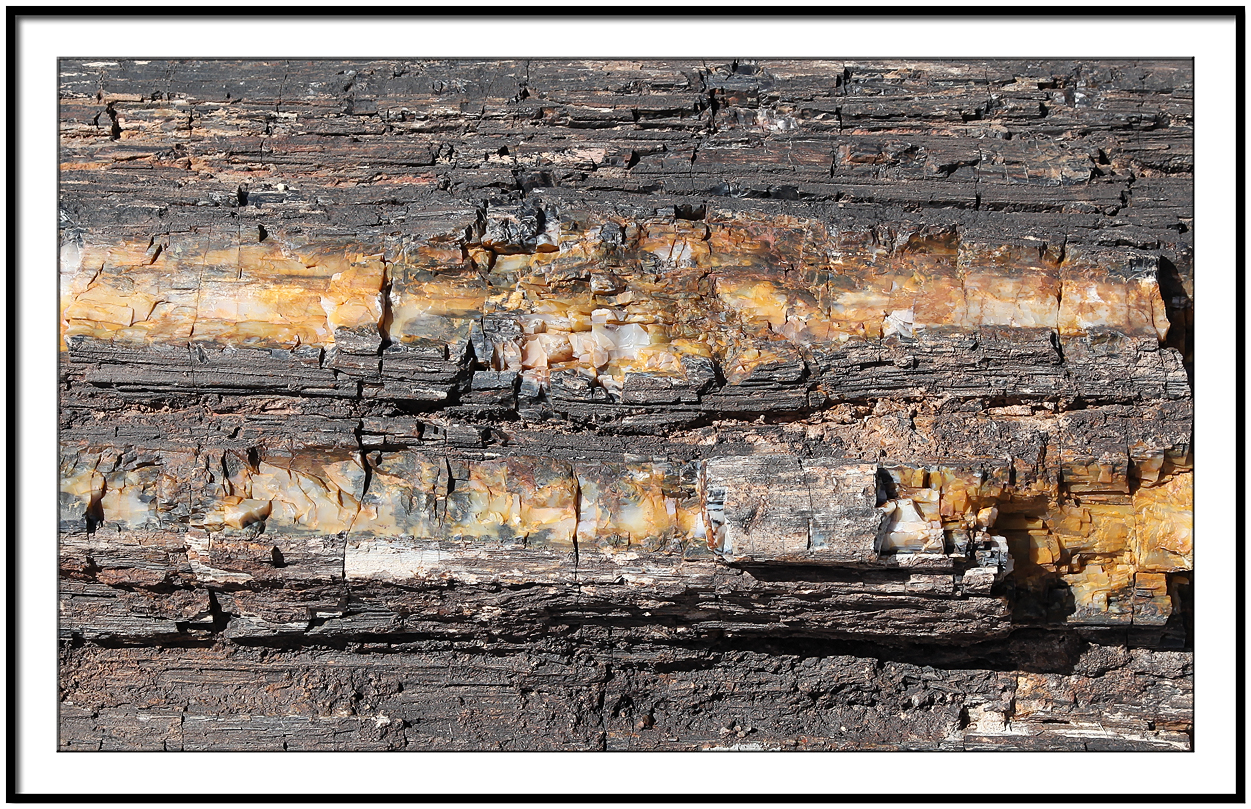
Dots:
{"x": 619, "y": 405}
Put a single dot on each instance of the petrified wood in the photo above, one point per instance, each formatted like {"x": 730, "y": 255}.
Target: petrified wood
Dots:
{"x": 617, "y": 405}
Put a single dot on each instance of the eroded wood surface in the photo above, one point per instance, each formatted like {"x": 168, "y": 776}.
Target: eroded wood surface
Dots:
{"x": 626, "y": 405}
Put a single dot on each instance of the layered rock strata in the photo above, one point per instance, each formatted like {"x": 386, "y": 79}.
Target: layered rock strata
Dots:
{"x": 613, "y": 427}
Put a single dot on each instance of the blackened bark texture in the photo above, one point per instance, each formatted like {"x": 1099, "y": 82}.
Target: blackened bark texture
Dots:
{"x": 585, "y": 405}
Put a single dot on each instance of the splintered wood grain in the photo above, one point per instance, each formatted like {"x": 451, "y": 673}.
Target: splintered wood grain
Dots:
{"x": 626, "y": 405}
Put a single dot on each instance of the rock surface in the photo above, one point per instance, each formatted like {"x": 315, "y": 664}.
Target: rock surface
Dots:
{"x": 626, "y": 405}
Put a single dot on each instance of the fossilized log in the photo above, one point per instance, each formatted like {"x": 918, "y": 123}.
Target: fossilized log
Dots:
{"x": 864, "y": 388}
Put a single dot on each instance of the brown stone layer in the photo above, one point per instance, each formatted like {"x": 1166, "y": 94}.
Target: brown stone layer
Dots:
{"x": 577, "y": 689}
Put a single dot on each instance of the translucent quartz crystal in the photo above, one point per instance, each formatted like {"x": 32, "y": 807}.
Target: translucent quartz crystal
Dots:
{"x": 907, "y": 530}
